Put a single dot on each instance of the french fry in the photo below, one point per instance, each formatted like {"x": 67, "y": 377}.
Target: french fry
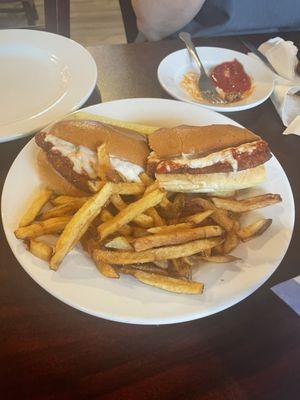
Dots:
{"x": 37, "y": 204}
{"x": 152, "y": 187}
{"x": 119, "y": 243}
{"x": 168, "y": 283}
{"x": 131, "y": 269}
{"x": 162, "y": 253}
{"x": 128, "y": 188}
{"x": 145, "y": 178}
{"x": 165, "y": 202}
{"x": 139, "y": 128}
{"x": 170, "y": 228}
{"x": 63, "y": 199}
{"x": 107, "y": 270}
{"x": 249, "y": 204}
{"x": 95, "y": 185}
{"x": 180, "y": 268}
{"x": 62, "y": 210}
{"x": 218, "y": 250}
{"x": 129, "y": 213}
{"x": 40, "y": 249}
{"x": 219, "y": 216}
{"x": 52, "y": 225}
{"x": 231, "y": 242}
{"x": 176, "y": 237}
{"x": 79, "y": 223}
{"x": 103, "y": 162}
{"x": 139, "y": 232}
{"x": 253, "y": 230}
{"x": 143, "y": 220}
{"x": 161, "y": 264}
{"x": 105, "y": 215}
{"x": 199, "y": 217}
{"x": 177, "y": 206}
{"x": 219, "y": 259}
{"x": 157, "y": 219}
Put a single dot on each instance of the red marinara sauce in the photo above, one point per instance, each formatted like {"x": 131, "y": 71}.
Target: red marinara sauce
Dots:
{"x": 231, "y": 77}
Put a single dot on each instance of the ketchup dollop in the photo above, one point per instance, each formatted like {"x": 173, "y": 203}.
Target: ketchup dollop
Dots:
{"x": 231, "y": 77}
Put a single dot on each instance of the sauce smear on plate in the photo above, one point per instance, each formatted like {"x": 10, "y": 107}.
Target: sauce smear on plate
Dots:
{"x": 231, "y": 77}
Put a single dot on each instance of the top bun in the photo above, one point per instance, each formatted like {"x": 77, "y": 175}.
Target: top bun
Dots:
{"x": 122, "y": 143}
{"x": 198, "y": 140}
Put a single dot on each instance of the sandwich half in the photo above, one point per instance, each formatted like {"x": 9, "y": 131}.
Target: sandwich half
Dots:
{"x": 67, "y": 159}
{"x": 207, "y": 159}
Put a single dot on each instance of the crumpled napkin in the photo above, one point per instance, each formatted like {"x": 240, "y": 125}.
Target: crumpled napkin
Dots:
{"x": 282, "y": 54}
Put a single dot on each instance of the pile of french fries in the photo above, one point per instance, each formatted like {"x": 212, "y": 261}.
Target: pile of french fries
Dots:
{"x": 140, "y": 230}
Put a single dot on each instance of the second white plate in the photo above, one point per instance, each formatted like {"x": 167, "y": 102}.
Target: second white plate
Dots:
{"x": 43, "y": 76}
{"x": 172, "y": 68}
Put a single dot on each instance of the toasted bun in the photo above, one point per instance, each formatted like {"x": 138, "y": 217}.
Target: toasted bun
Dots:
{"x": 198, "y": 140}
{"x": 209, "y": 183}
{"x": 122, "y": 143}
{"x": 52, "y": 179}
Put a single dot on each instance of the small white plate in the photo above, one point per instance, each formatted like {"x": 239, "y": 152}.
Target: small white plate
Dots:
{"x": 78, "y": 283}
{"x": 172, "y": 68}
{"x": 43, "y": 76}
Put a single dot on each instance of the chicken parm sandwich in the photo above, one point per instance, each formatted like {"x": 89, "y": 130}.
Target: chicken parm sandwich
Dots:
{"x": 67, "y": 159}
{"x": 207, "y": 159}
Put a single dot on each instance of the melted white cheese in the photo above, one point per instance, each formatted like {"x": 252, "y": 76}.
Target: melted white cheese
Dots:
{"x": 85, "y": 160}
{"x": 220, "y": 156}
{"x": 127, "y": 169}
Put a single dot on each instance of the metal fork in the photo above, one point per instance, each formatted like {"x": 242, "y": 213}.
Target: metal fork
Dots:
{"x": 206, "y": 87}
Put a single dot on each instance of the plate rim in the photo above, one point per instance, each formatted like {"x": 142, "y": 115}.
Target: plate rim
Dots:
{"x": 93, "y": 71}
{"x": 136, "y": 320}
{"x": 212, "y": 107}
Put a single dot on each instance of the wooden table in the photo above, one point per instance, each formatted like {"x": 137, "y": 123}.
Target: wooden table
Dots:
{"x": 49, "y": 350}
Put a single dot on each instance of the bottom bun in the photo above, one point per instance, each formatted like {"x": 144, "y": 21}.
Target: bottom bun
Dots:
{"x": 53, "y": 180}
{"x": 211, "y": 183}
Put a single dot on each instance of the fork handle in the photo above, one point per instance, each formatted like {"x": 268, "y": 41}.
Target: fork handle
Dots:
{"x": 186, "y": 38}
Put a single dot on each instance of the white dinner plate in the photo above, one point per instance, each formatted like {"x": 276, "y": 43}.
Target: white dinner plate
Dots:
{"x": 43, "y": 76}
{"x": 172, "y": 68}
{"x": 78, "y": 283}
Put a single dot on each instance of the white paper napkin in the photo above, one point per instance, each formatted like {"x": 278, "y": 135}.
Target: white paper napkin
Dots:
{"x": 282, "y": 55}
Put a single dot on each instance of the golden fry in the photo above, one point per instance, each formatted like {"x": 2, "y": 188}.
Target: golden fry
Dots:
{"x": 61, "y": 210}
{"x": 107, "y": 270}
{"x": 162, "y": 253}
{"x": 52, "y": 225}
{"x": 170, "y": 228}
{"x": 129, "y": 213}
{"x": 170, "y": 284}
{"x": 35, "y": 207}
{"x": 105, "y": 215}
{"x": 199, "y": 217}
{"x": 143, "y": 220}
{"x": 128, "y": 188}
{"x": 249, "y": 204}
{"x": 219, "y": 216}
{"x": 180, "y": 268}
{"x": 119, "y": 243}
{"x": 157, "y": 219}
{"x": 79, "y": 224}
{"x": 103, "y": 162}
{"x": 176, "y": 237}
{"x": 253, "y": 230}
{"x": 131, "y": 269}
{"x": 220, "y": 259}
{"x": 40, "y": 249}
{"x": 145, "y": 178}
{"x": 63, "y": 199}
{"x": 231, "y": 242}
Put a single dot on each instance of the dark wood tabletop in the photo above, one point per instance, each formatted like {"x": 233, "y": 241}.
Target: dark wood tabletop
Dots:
{"x": 49, "y": 350}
